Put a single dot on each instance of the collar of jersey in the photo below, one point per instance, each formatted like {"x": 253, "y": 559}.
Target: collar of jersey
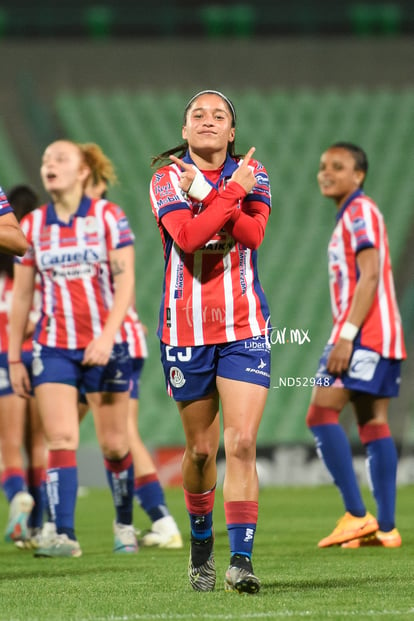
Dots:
{"x": 348, "y": 202}
{"x": 81, "y": 212}
{"x": 228, "y": 169}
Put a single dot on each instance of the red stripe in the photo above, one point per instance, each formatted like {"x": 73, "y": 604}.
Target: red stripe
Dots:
{"x": 36, "y": 476}
{"x": 148, "y": 478}
{"x": 241, "y": 512}
{"x": 371, "y": 432}
{"x": 200, "y": 504}
{"x": 8, "y": 473}
{"x": 118, "y": 465}
{"x": 62, "y": 459}
{"x": 318, "y": 415}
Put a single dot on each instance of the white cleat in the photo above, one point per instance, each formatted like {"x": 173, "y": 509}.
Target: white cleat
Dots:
{"x": 20, "y": 508}
{"x": 125, "y": 540}
{"x": 164, "y": 534}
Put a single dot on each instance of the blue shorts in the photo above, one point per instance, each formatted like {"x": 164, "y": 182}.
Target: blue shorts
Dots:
{"x": 190, "y": 372}
{"x": 368, "y": 372}
{"x": 137, "y": 366}
{"x": 64, "y": 366}
{"x": 5, "y": 385}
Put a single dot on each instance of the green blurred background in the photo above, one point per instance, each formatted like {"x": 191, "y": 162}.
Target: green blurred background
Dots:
{"x": 302, "y": 75}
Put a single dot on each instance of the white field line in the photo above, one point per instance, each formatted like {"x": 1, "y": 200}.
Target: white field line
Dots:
{"x": 281, "y": 614}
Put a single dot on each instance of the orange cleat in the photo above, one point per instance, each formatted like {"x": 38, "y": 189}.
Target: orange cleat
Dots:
{"x": 391, "y": 539}
{"x": 350, "y": 527}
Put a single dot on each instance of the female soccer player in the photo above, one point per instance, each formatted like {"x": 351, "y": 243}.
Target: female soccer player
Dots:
{"x": 212, "y": 207}
{"x": 20, "y": 426}
{"x": 164, "y": 532}
{"x": 83, "y": 250}
{"x": 361, "y": 362}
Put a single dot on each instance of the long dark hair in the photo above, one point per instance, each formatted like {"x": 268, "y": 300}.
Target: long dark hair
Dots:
{"x": 23, "y": 200}
{"x": 181, "y": 149}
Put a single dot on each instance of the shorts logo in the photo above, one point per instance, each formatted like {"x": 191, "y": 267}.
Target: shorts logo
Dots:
{"x": 37, "y": 366}
{"x": 363, "y": 365}
{"x": 4, "y": 379}
{"x": 177, "y": 378}
{"x": 259, "y": 370}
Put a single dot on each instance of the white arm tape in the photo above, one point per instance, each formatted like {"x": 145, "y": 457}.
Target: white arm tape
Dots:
{"x": 348, "y": 331}
{"x": 200, "y": 188}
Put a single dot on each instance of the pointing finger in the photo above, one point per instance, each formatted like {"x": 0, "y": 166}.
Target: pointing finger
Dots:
{"x": 180, "y": 163}
{"x": 248, "y": 155}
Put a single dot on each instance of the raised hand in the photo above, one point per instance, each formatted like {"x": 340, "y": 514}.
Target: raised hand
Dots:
{"x": 187, "y": 175}
{"x": 244, "y": 175}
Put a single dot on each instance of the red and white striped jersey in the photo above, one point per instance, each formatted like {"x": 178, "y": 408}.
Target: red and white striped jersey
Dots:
{"x": 360, "y": 225}
{"x": 4, "y": 203}
{"x": 135, "y": 334}
{"x": 6, "y": 287}
{"x": 73, "y": 262}
{"x": 212, "y": 295}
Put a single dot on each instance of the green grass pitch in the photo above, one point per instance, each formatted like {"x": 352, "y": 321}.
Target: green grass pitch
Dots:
{"x": 299, "y": 581}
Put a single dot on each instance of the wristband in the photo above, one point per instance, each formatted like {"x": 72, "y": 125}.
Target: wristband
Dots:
{"x": 348, "y": 331}
{"x": 13, "y": 361}
{"x": 200, "y": 188}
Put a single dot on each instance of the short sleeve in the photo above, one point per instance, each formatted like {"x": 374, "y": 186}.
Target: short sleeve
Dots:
{"x": 119, "y": 232}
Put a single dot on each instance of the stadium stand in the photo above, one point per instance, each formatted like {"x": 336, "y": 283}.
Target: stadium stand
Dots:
{"x": 289, "y": 129}
{"x": 11, "y": 171}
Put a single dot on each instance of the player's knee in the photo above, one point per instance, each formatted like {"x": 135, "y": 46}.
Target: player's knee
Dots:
{"x": 318, "y": 415}
{"x": 240, "y": 445}
{"x": 201, "y": 454}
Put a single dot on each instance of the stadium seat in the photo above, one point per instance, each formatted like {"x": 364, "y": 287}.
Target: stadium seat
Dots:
{"x": 223, "y": 21}
{"x": 99, "y": 21}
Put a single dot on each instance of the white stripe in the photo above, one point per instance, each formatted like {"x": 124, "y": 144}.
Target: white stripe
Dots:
{"x": 254, "y": 324}
{"x": 130, "y": 337}
{"x": 170, "y": 301}
{"x": 65, "y": 296}
{"x": 367, "y": 212}
{"x": 197, "y": 311}
{"x": 327, "y": 613}
{"x": 113, "y": 228}
{"x": 382, "y": 296}
{"x": 397, "y": 325}
{"x": 142, "y": 340}
{"x": 47, "y": 292}
{"x": 135, "y": 337}
{"x": 104, "y": 279}
{"x": 68, "y": 310}
{"x": 367, "y": 216}
{"x": 228, "y": 297}
{"x": 343, "y": 300}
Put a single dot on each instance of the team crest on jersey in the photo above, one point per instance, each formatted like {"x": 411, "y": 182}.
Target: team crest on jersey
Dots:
{"x": 177, "y": 378}
{"x": 91, "y": 225}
